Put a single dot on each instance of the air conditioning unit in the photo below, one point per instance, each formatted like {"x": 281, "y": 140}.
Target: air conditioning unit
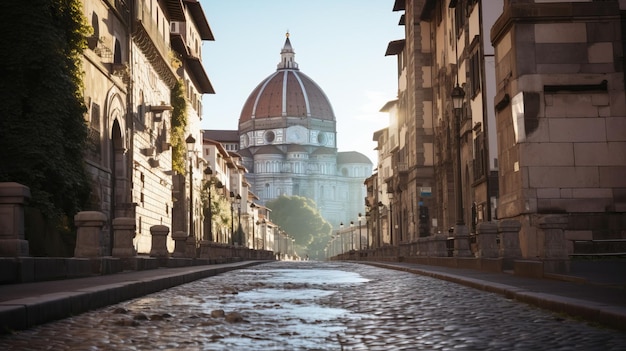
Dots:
{"x": 149, "y": 151}
{"x": 175, "y": 28}
{"x": 154, "y": 163}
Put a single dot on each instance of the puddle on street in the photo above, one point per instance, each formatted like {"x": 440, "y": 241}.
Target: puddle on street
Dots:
{"x": 284, "y": 308}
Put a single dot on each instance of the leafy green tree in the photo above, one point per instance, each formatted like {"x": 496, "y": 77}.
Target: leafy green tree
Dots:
{"x": 300, "y": 218}
{"x": 43, "y": 133}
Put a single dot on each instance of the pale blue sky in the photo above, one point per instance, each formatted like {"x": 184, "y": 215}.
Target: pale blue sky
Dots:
{"x": 340, "y": 44}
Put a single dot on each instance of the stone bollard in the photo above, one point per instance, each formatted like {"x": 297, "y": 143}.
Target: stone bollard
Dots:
{"x": 159, "y": 241}
{"x": 422, "y": 246}
{"x": 555, "y": 246}
{"x": 89, "y": 233}
{"x": 439, "y": 242}
{"x": 190, "y": 247}
{"x": 461, "y": 241}
{"x": 486, "y": 240}
{"x": 205, "y": 249}
{"x": 509, "y": 241}
{"x": 180, "y": 243}
{"x": 123, "y": 235}
{"x": 12, "y": 239}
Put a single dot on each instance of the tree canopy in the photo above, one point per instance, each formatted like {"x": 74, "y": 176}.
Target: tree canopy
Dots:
{"x": 300, "y": 218}
{"x": 42, "y": 128}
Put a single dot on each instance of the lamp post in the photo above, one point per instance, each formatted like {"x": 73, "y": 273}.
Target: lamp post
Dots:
{"x": 232, "y": 218}
{"x": 190, "y": 141}
{"x": 457, "y": 101}
{"x": 351, "y": 235}
{"x": 360, "y": 246}
{"x": 253, "y": 229}
{"x": 390, "y": 194}
{"x": 368, "y": 216}
{"x": 239, "y": 231}
{"x": 264, "y": 222}
{"x": 379, "y": 233}
{"x": 341, "y": 236}
{"x": 258, "y": 223}
{"x": 208, "y": 172}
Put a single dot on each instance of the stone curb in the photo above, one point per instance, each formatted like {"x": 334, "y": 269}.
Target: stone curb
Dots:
{"x": 27, "y": 312}
{"x": 608, "y": 315}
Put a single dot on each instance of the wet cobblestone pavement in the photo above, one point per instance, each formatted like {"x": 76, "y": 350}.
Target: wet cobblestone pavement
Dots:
{"x": 318, "y": 306}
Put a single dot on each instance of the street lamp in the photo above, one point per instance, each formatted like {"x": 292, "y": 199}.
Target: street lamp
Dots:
{"x": 264, "y": 222}
{"x": 379, "y": 233}
{"x": 239, "y": 231}
{"x": 191, "y": 141}
{"x": 252, "y": 206}
{"x": 341, "y": 235}
{"x": 360, "y": 246}
{"x": 458, "y": 96}
{"x": 390, "y": 194}
{"x": 232, "y": 218}
{"x": 368, "y": 216}
{"x": 208, "y": 172}
{"x": 351, "y": 235}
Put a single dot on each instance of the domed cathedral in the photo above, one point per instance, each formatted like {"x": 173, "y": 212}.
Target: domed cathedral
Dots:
{"x": 288, "y": 142}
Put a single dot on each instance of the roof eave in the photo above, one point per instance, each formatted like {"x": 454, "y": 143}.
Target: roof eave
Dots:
{"x": 175, "y": 10}
{"x": 195, "y": 9}
{"x": 199, "y": 75}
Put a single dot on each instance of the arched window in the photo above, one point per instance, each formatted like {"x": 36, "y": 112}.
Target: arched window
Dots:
{"x": 117, "y": 54}
{"x": 95, "y": 24}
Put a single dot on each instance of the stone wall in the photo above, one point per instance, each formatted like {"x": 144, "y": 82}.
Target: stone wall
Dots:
{"x": 562, "y": 137}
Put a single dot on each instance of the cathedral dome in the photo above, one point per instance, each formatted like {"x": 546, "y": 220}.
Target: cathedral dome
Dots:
{"x": 287, "y": 93}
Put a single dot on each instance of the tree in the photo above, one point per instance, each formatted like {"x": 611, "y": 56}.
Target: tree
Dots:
{"x": 43, "y": 133}
{"x": 299, "y": 217}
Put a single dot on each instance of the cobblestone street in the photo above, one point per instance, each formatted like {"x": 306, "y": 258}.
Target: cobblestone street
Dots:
{"x": 318, "y": 306}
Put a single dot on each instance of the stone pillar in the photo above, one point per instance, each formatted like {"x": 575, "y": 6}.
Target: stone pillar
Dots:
{"x": 487, "y": 235}
{"x": 123, "y": 235}
{"x": 180, "y": 243}
{"x": 556, "y": 258}
{"x": 89, "y": 233}
{"x": 12, "y": 239}
{"x": 438, "y": 243}
{"x": 461, "y": 241}
{"x": 159, "y": 241}
{"x": 508, "y": 230}
{"x": 422, "y": 246}
{"x": 205, "y": 249}
{"x": 190, "y": 247}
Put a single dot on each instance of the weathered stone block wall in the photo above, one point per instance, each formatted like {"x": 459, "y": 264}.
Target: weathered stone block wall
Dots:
{"x": 152, "y": 184}
{"x": 562, "y": 138}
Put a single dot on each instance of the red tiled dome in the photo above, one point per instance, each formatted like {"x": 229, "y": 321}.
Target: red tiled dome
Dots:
{"x": 287, "y": 93}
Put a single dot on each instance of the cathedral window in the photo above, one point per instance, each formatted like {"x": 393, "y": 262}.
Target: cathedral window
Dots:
{"x": 321, "y": 139}
{"x": 269, "y": 136}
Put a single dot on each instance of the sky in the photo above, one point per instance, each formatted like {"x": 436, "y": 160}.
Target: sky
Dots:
{"x": 340, "y": 44}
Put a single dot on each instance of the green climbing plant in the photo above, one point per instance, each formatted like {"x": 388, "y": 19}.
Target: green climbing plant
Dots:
{"x": 179, "y": 123}
{"x": 43, "y": 133}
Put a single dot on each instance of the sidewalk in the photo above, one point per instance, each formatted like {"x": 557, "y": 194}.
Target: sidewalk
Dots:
{"x": 25, "y": 305}
{"x": 601, "y": 298}
{"x": 597, "y": 293}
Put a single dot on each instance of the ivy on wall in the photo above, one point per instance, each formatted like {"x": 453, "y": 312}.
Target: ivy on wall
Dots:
{"x": 179, "y": 123}
{"x": 43, "y": 133}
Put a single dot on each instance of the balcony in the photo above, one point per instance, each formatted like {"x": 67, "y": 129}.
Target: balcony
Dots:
{"x": 402, "y": 167}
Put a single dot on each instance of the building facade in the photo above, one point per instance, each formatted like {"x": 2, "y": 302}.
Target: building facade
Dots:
{"x": 138, "y": 52}
{"x": 537, "y": 134}
{"x": 561, "y": 123}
